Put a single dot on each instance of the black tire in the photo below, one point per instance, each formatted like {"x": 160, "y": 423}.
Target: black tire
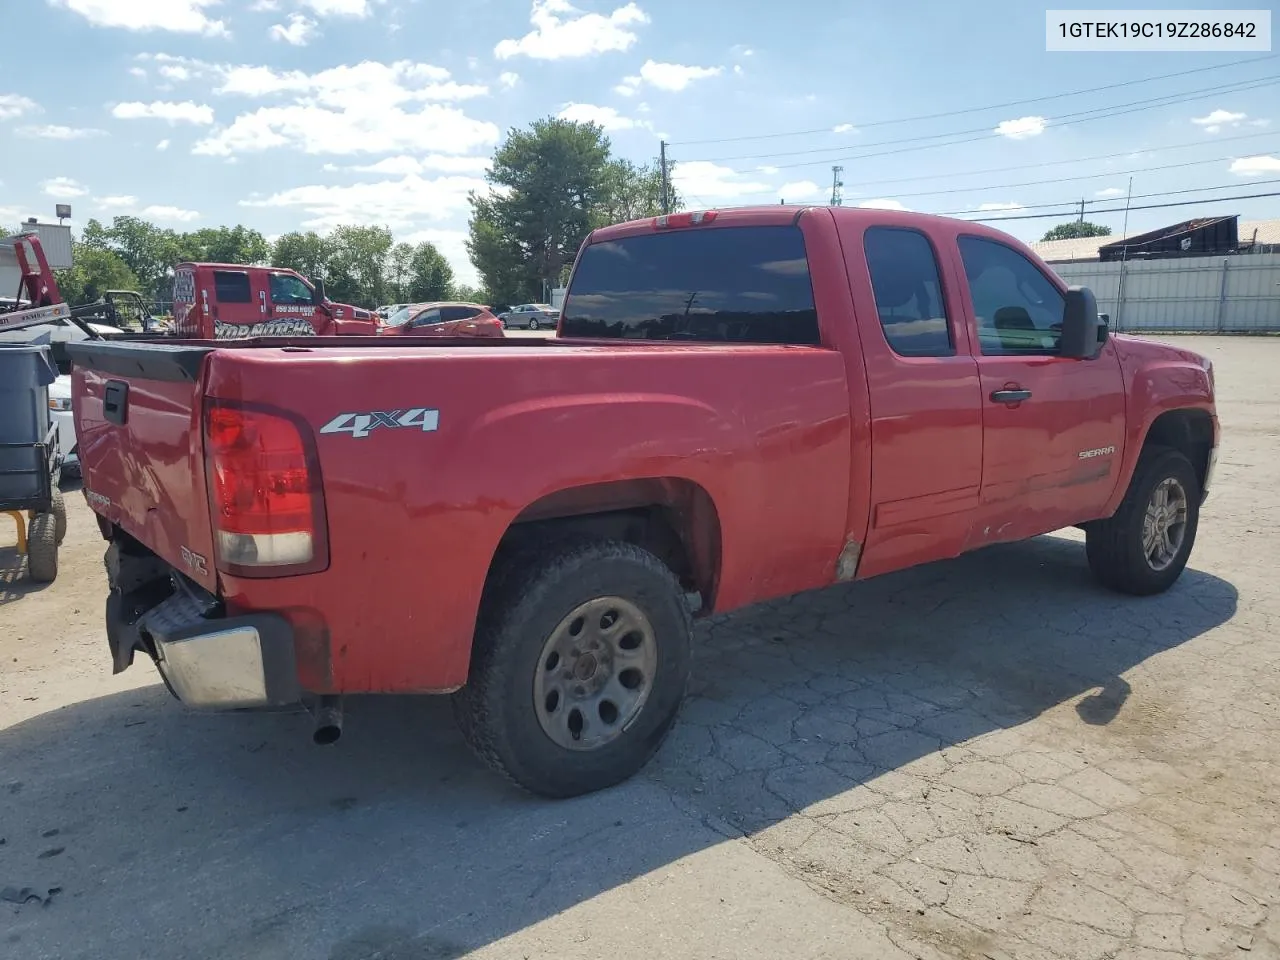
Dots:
{"x": 533, "y": 324}
{"x": 1115, "y": 547}
{"x": 42, "y": 548}
{"x": 496, "y": 710}
{"x": 59, "y": 511}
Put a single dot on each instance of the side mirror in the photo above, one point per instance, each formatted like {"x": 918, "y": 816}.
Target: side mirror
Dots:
{"x": 320, "y": 296}
{"x": 1083, "y": 330}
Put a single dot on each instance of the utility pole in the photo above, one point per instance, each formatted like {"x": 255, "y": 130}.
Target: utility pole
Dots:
{"x": 666, "y": 189}
{"x": 1082, "y": 209}
{"x": 836, "y": 184}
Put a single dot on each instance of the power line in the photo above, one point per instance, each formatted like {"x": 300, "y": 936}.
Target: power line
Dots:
{"x": 1053, "y": 163}
{"x": 993, "y": 106}
{"x": 1148, "y": 206}
{"x": 985, "y": 133}
{"x": 1136, "y": 196}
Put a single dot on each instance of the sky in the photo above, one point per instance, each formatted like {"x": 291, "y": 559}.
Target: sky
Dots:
{"x": 306, "y": 114}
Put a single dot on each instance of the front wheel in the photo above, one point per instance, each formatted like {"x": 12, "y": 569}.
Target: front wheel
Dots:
{"x": 1143, "y": 548}
{"x": 578, "y": 674}
{"x": 533, "y": 324}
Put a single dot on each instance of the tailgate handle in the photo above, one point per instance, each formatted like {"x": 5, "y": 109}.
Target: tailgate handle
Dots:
{"x": 115, "y": 402}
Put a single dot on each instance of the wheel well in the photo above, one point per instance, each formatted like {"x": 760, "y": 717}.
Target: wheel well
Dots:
{"x": 1188, "y": 431}
{"x": 672, "y": 518}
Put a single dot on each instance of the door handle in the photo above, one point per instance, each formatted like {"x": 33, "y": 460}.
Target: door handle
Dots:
{"x": 1010, "y": 396}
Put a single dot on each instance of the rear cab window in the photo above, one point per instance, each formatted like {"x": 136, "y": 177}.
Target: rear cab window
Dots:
{"x": 711, "y": 285}
{"x": 908, "y": 292}
{"x": 231, "y": 286}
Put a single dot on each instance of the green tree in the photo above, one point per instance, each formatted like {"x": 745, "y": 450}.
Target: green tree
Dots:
{"x": 307, "y": 253}
{"x": 357, "y": 265}
{"x": 147, "y": 250}
{"x": 550, "y": 179}
{"x": 236, "y": 244}
{"x": 94, "y": 271}
{"x": 632, "y": 192}
{"x": 469, "y": 294}
{"x": 399, "y": 272}
{"x": 1074, "y": 229}
{"x": 430, "y": 276}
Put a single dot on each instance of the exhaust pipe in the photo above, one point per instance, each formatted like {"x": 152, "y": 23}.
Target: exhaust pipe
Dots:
{"x": 328, "y": 720}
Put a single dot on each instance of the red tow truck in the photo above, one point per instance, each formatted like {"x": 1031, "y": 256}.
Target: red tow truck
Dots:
{"x": 740, "y": 405}
{"x": 220, "y": 301}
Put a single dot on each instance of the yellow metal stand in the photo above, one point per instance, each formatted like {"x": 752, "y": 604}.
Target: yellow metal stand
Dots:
{"x": 20, "y": 518}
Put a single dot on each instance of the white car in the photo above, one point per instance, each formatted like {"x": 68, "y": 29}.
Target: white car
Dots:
{"x": 60, "y": 413}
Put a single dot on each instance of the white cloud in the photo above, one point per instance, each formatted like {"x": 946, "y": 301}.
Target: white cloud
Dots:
{"x": 264, "y": 6}
{"x": 1264, "y": 122}
{"x": 438, "y": 163}
{"x": 138, "y": 72}
{"x": 400, "y": 204}
{"x": 172, "y": 214}
{"x": 1005, "y": 205}
{"x": 799, "y": 190}
{"x": 607, "y": 118}
{"x": 174, "y": 71}
{"x": 352, "y": 86}
{"x": 1255, "y": 166}
{"x": 737, "y": 68}
{"x": 561, "y": 31}
{"x": 63, "y": 188}
{"x": 56, "y": 131}
{"x": 187, "y": 111}
{"x": 674, "y": 76}
{"x": 162, "y": 145}
{"x": 120, "y": 202}
{"x": 702, "y": 178}
{"x": 375, "y": 128}
{"x": 883, "y": 203}
{"x": 177, "y": 16}
{"x": 1110, "y": 192}
{"x": 12, "y": 105}
{"x": 1022, "y": 128}
{"x": 340, "y": 8}
{"x": 508, "y": 79}
{"x": 768, "y": 170}
{"x": 298, "y": 33}
{"x": 627, "y": 87}
{"x": 1215, "y": 120}
{"x": 738, "y": 50}
{"x": 844, "y": 128}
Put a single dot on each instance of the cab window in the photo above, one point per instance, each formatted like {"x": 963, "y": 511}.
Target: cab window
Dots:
{"x": 231, "y": 286}
{"x": 288, "y": 289}
{"x": 1017, "y": 308}
{"x": 908, "y": 291}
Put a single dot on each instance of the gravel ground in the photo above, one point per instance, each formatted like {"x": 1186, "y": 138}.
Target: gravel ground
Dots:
{"x": 987, "y": 758}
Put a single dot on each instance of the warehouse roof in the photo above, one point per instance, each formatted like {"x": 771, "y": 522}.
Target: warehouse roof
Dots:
{"x": 1086, "y": 248}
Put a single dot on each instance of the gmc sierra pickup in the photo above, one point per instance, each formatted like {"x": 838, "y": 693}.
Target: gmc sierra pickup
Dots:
{"x": 740, "y": 405}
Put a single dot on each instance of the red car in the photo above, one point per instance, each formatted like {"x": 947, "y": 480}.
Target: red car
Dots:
{"x": 442, "y": 319}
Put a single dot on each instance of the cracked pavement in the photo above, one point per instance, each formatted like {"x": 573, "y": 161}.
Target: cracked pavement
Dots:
{"x": 985, "y": 758}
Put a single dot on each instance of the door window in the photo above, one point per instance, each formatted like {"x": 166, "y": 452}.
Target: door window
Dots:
{"x": 426, "y": 318}
{"x": 904, "y": 277}
{"x": 457, "y": 313}
{"x": 231, "y": 286}
{"x": 1017, "y": 309}
{"x": 289, "y": 290}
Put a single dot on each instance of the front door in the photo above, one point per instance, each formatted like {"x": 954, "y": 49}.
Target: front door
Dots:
{"x": 1053, "y": 427}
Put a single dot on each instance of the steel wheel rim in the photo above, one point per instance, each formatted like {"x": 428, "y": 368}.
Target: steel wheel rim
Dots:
{"x": 594, "y": 674}
{"x": 1164, "y": 527}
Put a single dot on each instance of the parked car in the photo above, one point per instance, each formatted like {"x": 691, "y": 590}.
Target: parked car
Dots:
{"x": 389, "y": 310}
{"x": 531, "y": 316}
{"x": 740, "y": 406}
{"x": 442, "y": 319}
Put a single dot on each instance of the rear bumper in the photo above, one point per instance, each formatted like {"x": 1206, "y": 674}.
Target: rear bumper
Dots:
{"x": 206, "y": 660}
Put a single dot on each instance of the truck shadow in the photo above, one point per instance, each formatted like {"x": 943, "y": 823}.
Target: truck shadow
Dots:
{"x": 395, "y": 843}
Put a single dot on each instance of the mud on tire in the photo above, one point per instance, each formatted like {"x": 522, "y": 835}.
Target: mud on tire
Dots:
{"x": 1116, "y": 548}
{"x": 522, "y": 615}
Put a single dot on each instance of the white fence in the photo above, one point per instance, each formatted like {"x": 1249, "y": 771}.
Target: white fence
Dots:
{"x": 1239, "y": 294}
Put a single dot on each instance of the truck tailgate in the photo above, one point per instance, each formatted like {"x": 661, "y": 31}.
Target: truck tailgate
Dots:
{"x": 138, "y": 423}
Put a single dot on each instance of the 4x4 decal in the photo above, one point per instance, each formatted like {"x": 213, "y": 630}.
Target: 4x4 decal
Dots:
{"x": 360, "y": 425}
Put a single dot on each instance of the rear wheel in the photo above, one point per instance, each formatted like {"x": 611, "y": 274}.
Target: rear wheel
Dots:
{"x": 578, "y": 673}
{"x": 1143, "y": 548}
{"x": 42, "y": 548}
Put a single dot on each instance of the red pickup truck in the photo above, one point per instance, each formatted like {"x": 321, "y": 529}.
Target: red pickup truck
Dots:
{"x": 740, "y": 405}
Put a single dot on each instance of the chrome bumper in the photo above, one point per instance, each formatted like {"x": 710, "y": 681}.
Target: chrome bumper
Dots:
{"x": 207, "y": 661}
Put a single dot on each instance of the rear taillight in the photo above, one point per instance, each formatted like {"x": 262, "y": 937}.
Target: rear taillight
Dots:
{"x": 264, "y": 492}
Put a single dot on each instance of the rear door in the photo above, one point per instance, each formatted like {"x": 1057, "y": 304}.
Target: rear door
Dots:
{"x": 235, "y": 303}
{"x": 926, "y": 409}
{"x": 1053, "y": 427}
{"x": 138, "y": 428}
